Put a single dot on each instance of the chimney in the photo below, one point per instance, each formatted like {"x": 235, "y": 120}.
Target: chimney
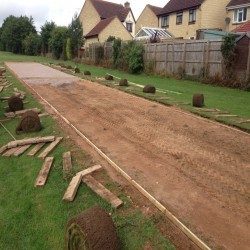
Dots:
{"x": 127, "y": 5}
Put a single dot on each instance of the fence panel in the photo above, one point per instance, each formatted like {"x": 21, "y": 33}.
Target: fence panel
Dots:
{"x": 189, "y": 57}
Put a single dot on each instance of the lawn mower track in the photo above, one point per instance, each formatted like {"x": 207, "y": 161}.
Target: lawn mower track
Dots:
{"x": 199, "y": 170}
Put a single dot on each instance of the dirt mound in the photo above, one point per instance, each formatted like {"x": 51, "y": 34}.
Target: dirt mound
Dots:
{"x": 109, "y": 77}
{"x": 15, "y": 103}
{"x": 198, "y": 100}
{"x": 123, "y": 82}
{"x": 93, "y": 229}
{"x": 29, "y": 122}
{"x": 149, "y": 89}
{"x": 87, "y": 73}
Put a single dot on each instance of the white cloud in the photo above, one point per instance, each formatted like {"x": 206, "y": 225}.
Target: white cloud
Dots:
{"x": 59, "y": 11}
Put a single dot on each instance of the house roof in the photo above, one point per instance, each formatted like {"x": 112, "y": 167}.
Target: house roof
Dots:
{"x": 155, "y": 9}
{"x": 100, "y": 27}
{"x": 107, "y": 9}
{"x": 245, "y": 27}
{"x": 178, "y": 5}
{"x": 233, "y": 3}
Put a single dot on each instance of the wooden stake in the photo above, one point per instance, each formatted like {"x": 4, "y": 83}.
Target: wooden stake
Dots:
{"x": 103, "y": 192}
{"x": 36, "y": 149}
{"x": 50, "y": 148}
{"x": 35, "y": 140}
{"x": 44, "y": 173}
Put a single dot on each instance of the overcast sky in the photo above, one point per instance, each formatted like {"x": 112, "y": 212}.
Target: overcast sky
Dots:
{"x": 59, "y": 11}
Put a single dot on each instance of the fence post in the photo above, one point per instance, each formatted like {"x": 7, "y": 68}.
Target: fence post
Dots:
{"x": 207, "y": 59}
{"x": 166, "y": 59}
{"x": 173, "y": 59}
{"x": 155, "y": 56}
{"x": 248, "y": 63}
{"x": 184, "y": 56}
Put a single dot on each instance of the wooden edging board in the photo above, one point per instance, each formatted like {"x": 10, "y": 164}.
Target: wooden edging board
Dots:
{"x": 67, "y": 163}
{"x": 36, "y": 149}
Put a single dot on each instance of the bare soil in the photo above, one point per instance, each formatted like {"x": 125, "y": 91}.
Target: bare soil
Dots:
{"x": 198, "y": 169}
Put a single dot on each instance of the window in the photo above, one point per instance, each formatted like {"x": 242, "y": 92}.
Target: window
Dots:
{"x": 129, "y": 27}
{"x": 192, "y": 16}
{"x": 179, "y": 16}
{"x": 165, "y": 21}
{"x": 240, "y": 15}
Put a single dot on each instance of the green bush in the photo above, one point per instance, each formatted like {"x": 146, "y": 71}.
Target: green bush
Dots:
{"x": 133, "y": 55}
{"x": 32, "y": 45}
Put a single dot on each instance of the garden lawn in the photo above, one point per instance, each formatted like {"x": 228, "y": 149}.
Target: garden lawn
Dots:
{"x": 35, "y": 218}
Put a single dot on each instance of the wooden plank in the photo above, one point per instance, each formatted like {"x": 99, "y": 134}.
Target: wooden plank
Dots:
{"x": 72, "y": 188}
{"x": 226, "y": 115}
{"x": 244, "y": 121}
{"x": 3, "y": 148}
{"x": 67, "y": 163}
{"x": 35, "y": 140}
{"x": 10, "y": 114}
{"x": 36, "y": 149}
{"x": 50, "y": 148}
{"x": 89, "y": 170}
{"x": 21, "y": 112}
{"x": 5, "y": 120}
{"x": 21, "y": 150}
{"x": 44, "y": 172}
{"x": 1, "y": 88}
{"x": 43, "y": 114}
{"x": 10, "y": 152}
{"x": 103, "y": 192}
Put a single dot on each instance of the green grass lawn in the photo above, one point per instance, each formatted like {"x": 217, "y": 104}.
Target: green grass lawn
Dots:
{"x": 35, "y": 218}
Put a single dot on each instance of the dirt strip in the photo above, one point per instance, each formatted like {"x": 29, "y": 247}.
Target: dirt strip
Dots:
{"x": 199, "y": 170}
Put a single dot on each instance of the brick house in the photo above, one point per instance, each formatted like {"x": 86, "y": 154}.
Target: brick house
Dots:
{"x": 238, "y": 13}
{"x": 100, "y": 19}
{"x": 183, "y": 18}
{"x": 148, "y": 17}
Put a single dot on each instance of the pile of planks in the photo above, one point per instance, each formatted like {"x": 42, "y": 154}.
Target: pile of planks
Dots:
{"x": 18, "y": 147}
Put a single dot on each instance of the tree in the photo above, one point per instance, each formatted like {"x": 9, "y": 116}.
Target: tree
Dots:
{"x": 68, "y": 49}
{"x": 57, "y": 42}
{"x": 14, "y": 30}
{"x": 32, "y": 45}
{"x": 46, "y": 31}
{"x": 75, "y": 35}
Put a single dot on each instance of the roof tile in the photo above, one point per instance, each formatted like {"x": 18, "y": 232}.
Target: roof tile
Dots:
{"x": 108, "y": 9}
{"x": 178, "y": 5}
{"x": 99, "y": 27}
{"x": 245, "y": 27}
{"x": 155, "y": 9}
{"x": 238, "y": 2}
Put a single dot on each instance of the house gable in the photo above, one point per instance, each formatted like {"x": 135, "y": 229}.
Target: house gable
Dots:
{"x": 89, "y": 17}
{"x": 148, "y": 17}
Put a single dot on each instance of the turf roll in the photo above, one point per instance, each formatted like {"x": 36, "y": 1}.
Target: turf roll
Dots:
{"x": 109, "y": 77}
{"x": 93, "y": 229}
{"x": 15, "y": 103}
{"x": 123, "y": 82}
{"x": 149, "y": 89}
{"x": 198, "y": 100}
{"x": 87, "y": 73}
{"x": 29, "y": 122}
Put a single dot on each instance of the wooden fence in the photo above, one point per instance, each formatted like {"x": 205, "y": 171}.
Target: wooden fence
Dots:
{"x": 191, "y": 58}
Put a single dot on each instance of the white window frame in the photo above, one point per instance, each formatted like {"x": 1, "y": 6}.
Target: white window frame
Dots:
{"x": 179, "y": 15}
{"x": 192, "y": 16}
{"x": 129, "y": 26}
{"x": 240, "y": 15}
{"x": 165, "y": 21}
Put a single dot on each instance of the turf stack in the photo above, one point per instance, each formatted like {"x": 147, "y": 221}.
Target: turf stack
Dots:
{"x": 15, "y": 103}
